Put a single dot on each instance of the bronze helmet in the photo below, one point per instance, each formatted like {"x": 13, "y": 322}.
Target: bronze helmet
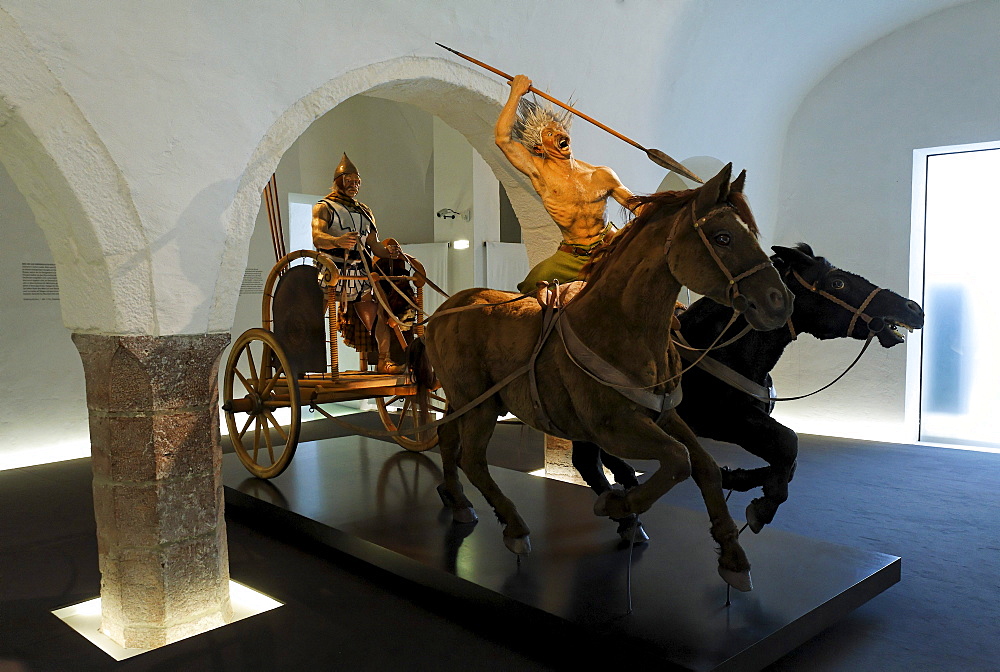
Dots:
{"x": 345, "y": 167}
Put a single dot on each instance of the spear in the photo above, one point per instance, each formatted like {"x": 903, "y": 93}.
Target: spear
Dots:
{"x": 655, "y": 155}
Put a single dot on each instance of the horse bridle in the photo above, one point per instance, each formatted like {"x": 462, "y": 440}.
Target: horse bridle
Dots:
{"x": 747, "y": 386}
{"x": 875, "y": 324}
{"x": 736, "y": 298}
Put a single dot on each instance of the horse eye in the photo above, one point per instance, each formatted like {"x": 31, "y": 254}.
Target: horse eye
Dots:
{"x": 837, "y": 283}
{"x": 723, "y": 239}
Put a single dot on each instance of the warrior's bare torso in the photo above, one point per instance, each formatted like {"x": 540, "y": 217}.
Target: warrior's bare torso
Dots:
{"x": 573, "y": 192}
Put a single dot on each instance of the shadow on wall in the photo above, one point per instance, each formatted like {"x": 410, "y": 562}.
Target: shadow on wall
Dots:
{"x": 185, "y": 265}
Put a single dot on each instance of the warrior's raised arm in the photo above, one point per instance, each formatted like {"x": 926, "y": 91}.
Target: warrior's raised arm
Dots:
{"x": 518, "y": 155}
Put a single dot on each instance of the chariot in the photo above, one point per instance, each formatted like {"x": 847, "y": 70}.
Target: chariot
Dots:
{"x": 291, "y": 362}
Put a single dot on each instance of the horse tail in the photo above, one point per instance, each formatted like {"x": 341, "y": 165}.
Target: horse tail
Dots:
{"x": 419, "y": 366}
{"x": 423, "y": 375}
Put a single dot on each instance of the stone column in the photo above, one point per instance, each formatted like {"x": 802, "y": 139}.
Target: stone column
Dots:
{"x": 158, "y": 499}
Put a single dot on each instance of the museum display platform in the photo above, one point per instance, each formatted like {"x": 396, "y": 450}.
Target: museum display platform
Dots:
{"x": 373, "y": 501}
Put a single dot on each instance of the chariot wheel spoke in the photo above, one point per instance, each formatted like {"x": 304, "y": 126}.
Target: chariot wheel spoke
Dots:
{"x": 267, "y": 440}
{"x": 402, "y": 412}
{"x": 245, "y": 427}
{"x": 271, "y": 383}
{"x": 246, "y": 383}
{"x": 253, "y": 367}
{"x": 277, "y": 426}
{"x": 256, "y": 437}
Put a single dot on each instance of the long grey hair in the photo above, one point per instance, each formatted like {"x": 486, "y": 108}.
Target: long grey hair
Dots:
{"x": 532, "y": 117}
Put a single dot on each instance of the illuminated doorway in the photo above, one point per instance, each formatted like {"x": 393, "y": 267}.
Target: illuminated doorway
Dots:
{"x": 960, "y": 358}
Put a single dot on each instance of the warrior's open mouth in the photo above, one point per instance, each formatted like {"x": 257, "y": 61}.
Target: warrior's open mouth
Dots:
{"x": 563, "y": 143}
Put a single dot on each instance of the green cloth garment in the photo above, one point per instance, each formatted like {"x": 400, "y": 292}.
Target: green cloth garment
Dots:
{"x": 561, "y": 266}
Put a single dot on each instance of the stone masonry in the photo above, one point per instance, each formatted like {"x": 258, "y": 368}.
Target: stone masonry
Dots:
{"x": 158, "y": 498}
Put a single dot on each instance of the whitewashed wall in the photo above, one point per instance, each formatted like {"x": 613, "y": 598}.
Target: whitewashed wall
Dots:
{"x": 139, "y": 135}
{"x": 845, "y": 189}
{"x": 191, "y": 105}
{"x": 43, "y": 407}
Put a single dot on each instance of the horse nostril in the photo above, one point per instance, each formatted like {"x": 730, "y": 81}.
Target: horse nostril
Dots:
{"x": 776, "y": 299}
{"x": 913, "y": 306}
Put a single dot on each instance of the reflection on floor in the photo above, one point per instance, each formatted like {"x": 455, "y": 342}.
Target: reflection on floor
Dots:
{"x": 380, "y": 505}
{"x": 931, "y": 506}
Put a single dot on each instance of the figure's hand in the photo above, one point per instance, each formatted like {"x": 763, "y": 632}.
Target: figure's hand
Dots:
{"x": 520, "y": 85}
{"x": 348, "y": 241}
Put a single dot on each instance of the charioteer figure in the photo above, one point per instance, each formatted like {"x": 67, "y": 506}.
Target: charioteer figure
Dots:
{"x": 344, "y": 228}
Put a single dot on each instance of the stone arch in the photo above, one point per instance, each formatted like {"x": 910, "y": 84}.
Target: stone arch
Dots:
{"x": 77, "y": 194}
{"x": 463, "y": 98}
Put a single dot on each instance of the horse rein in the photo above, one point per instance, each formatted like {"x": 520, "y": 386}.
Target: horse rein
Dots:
{"x": 733, "y": 293}
{"x": 858, "y": 312}
{"x": 749, "y": 387}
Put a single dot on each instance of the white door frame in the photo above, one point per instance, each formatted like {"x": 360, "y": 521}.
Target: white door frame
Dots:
{"x": 918, "y": 222}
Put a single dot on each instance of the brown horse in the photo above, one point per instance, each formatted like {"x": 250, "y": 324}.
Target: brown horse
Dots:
{"x": 623, "y": 317}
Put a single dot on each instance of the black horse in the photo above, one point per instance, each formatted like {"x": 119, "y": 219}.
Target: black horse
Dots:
{"x": 829, "y": 303}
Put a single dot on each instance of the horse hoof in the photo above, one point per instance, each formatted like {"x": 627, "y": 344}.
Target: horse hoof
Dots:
{"x": 601, "y": 505}
{"x": 738, "y": 580}
{"x": 519, "y": 545}
{"x": 459, "y": 514}
{"x": 631, "y": 531}
{"x": 445, "y": 496}
{"x": 755, "y": 522}
{"x": 611, "y": 503}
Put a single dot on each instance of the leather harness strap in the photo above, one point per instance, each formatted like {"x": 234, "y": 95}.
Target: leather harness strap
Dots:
{"x": 744, "y": 384}
{"x": 734, "y": 287}
{"x": 607, "y": 374}
{"x": 723, "y": 372}
{"x": 550, "y": 317}
{"x": 858, "y": 312}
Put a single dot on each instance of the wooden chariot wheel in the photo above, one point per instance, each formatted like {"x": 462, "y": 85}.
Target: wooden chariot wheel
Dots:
{"x": 405, "y": 411}
{"x": 258, "y": 380}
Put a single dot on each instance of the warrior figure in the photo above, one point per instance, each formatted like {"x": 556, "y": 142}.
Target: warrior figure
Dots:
{"x": 344, "y": 228}
{"x": 535, "y": 139}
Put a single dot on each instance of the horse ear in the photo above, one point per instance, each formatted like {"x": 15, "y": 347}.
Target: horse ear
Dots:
{"x": 715, "y": 191}
{"x": 739, "y": 182}
{"x": 791, "y": 257}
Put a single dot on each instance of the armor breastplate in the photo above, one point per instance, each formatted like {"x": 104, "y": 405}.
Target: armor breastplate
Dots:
{"x": 346, "y": 217}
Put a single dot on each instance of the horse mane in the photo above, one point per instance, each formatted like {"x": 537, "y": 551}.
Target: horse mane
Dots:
{"x": 784, "y": 266}
{"x": 649, "y": 206}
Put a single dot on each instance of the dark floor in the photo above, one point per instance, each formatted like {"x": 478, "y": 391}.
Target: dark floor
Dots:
{"x": 935, "y": 508}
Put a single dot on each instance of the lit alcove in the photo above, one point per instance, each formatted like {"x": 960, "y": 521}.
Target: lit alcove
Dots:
{"x": 427, "y": 187}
